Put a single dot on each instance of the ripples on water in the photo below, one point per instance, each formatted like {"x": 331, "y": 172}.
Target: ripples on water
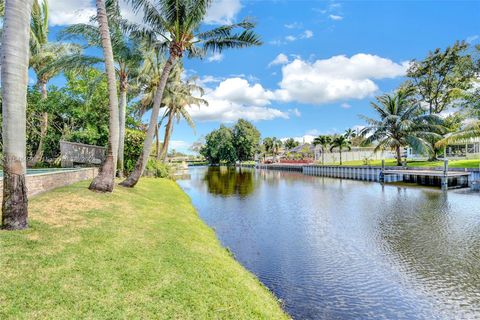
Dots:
{"x": 343, "y": 249}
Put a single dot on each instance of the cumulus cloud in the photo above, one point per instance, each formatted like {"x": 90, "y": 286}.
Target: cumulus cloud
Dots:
{"x": 236, "y": 98}
{"x": 223, "y": 11}
{"x": 65, "y": 12}
{"x": 307, "y": 34}
{"x": 279, "y": 60}
{"x": 336, "y": 78}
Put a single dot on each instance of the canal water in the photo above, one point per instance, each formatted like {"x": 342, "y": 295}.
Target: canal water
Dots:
{"x": 344, "y": 249}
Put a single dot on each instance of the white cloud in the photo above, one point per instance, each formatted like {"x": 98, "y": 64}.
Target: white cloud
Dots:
{"x": 290, "y": 38}
{"x": 178, "y": 144}
{"x": 279, "y": 60}
{"x": 236, "y": 98}
{"x": 345, "y": 106}
{"x": 294, "y": 25}
{"x": 336, "y": 78}
{"x": 307, "y": 34}
{"x": 473, "y": 38}
{"x": 216, "y": 57}
{"x": 335, "y": 17}
{"x": 65, "y": 12}
{"x": 223, "y": 11}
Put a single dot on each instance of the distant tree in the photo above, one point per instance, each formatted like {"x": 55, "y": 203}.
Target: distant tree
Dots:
{"x": 350, "y": 133}
{"x": 324, "y": 142}
{"x": 246, "y": 140}
{"x": 276, "y": 146}
{"x": 340, "y": 142}
{"x": 267, "y": 144}
{"x": 219, "y": 146}
{"x": 400, "y": 124}
{"x": 290, "y": 143}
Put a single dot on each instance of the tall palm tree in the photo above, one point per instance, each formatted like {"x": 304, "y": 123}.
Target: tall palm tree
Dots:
{"x": 401, "y": 123}
{"x": 47, "y": 60}
{"x": 178, "y": 97}
{"x": 128, "y": 56}
{"x": 341, "y": 143}
{"x": 104, "y": 181}
{"x": 173, "y": 25}
{"x": 324, "y": 142}
{"x": 14, "y": 81}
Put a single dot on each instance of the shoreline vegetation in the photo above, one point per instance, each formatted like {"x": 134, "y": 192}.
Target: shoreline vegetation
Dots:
{"x": 134, "y": 253}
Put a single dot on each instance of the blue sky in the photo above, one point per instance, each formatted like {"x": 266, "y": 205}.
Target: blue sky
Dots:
{"x": 321, "y": 62}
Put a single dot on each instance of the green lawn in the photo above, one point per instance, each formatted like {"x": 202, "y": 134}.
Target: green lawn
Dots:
{"x": 471, "y": 163}
{"x": 138, "y": 253}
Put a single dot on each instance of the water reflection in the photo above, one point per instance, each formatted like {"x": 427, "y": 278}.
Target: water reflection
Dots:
{"x": 343, "y": 249}
{"x": 227, "y": 181}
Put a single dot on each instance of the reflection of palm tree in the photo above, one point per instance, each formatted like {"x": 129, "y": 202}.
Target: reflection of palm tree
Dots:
{"x": 340, "y": 142}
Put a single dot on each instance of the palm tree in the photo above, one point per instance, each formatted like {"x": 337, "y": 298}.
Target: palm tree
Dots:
{"x": 350, "y": 133}
{"x": 324, "y": 142}
{"x": 128, "y": 56}
{"x": 470, "y": 131}
{"x": 14, "y": 81}
{"x": 276, "y": 145}
{"x": 179, "y": 96}
{"x": 47, "y": 60}
{"x": 340, "y": 142}
{"x": 173, "y": 26}
{"x": 105, "y": 179}
{"x": 402, "y": 123}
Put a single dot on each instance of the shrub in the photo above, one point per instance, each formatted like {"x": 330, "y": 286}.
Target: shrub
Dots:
{"x": 157, "y": 169}
{"x": 133, "y": 148}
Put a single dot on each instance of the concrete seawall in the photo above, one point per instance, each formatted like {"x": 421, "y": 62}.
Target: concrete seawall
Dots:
{"x": 42, "y": 182}
{"x": 365, "y": 173}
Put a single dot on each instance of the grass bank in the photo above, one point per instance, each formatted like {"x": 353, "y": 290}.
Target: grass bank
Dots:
{"x": 464, "y": 163}
{"x": 138, "y": 253}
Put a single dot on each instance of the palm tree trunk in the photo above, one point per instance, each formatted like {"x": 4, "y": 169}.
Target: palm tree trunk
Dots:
{"x": 14, "y": 81}
{"x": 340, "y": 150}
{"x": 157, "y": 141}
{"x": 121, "y": 138}
{"x": 399, "y": 155}
{"x": 105, "y": 179}
{"x": 133, "y": 178}
{"x": 43, "y": 127}
{"x": 166, "y": 140}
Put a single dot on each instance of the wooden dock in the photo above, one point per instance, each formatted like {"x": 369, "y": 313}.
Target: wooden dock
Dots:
{"x": 444, "y": 178}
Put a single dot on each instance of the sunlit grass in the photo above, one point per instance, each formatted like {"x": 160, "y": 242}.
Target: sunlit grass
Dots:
{"x": 139, "y": 253}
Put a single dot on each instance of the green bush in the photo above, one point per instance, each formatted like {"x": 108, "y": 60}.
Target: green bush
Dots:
{"x": 157, "y": 169}
{"x": 133, "y": 148}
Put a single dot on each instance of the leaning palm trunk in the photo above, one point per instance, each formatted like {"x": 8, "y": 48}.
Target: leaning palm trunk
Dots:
{"x": 43, "y": 127}
{"x": 14, "y": 62}
{"x": 105, "y": 179}
{"x": 166, "y": 140}
{"x": 121, "y": 140}
{"x": 137, "y": 172}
